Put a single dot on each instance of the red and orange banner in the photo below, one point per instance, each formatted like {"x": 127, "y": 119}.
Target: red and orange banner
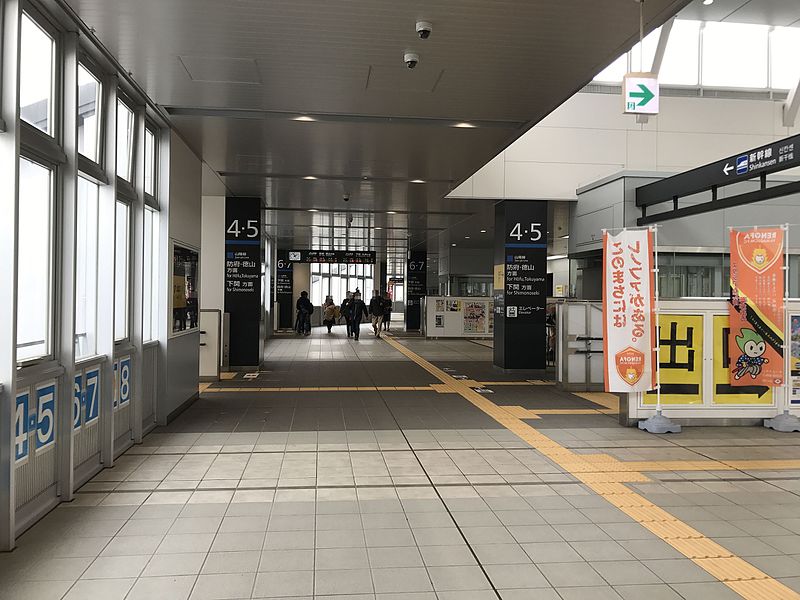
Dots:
{"x": 629, "y": 325}
{"x": 756, "y": 309}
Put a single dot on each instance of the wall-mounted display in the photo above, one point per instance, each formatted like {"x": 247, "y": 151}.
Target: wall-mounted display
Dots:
{"x": 185, "y": 306}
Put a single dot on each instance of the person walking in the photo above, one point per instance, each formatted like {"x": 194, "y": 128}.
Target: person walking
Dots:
{"x": 330, "y": 314}
{"x": 358, "y": 310}
{"x": 387, "y": 311}
{"x": 304, "y": 311}
{"x": 376, "y": 311}
{"x": 345, "y": 310}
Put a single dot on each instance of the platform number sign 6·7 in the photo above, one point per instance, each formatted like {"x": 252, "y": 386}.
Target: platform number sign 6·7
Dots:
{"x": 21, "y": 429}
{"x": 45, "y": 415}
{"x": 77, "y": 402}
{"x": 92, "y": 404}
{"x": 416, "y": 265}
{"x": 241, "y": 228}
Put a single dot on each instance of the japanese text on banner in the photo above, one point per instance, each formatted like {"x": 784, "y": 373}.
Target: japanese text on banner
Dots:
{"x": 628, "y": 306}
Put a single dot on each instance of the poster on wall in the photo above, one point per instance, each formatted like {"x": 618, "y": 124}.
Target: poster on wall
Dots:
{"x": 794, "y": 360}
{"x": 454, "y": 305}
{"x": 724, "y": 392}
{"x": 756, "y": 307}
{"x": 474, "y": 317}
{"x": 681, "y": 348}
{"x": 628, "y": 311}
{"x": 439, "y": 323}
{"x": 440, "y": 306}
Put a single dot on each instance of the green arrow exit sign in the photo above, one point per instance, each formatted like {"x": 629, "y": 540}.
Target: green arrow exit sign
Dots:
{"x": 640, "y": 93}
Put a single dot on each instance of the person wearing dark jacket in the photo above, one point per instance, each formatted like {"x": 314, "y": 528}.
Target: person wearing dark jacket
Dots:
{"x": 376, "y": 311}
{"x": 304, "y": 311}
{"x": 387, "y": 311}
{"x": 357, "y": 310}
{"x": 345, "y": 310}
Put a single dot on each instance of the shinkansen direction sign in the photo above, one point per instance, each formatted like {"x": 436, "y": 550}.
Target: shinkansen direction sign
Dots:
{"x": 752, "y": 164}
{"x": 758, "y": 162}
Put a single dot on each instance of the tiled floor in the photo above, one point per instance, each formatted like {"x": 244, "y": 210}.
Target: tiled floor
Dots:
{"x": 399, "y": 495}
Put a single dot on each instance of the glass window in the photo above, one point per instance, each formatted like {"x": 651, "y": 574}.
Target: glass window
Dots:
{"x": 614, "y": 72}
{"x": 124, "y": 142}
{"x": 735, "y": 55}
{"x": 184, "y": 289}
{"x": 682, "y": 58}
{"x": 88, "y": 112}
{"x": 34, "y": 261}
{"x": 785, "y": 48}
{"x": 150, "y": 309}
{"x": 86, "y": 270}
{"x": 121, "y": 271}
{"x": 37, "y": 49}
{"x": 149, "y": 162}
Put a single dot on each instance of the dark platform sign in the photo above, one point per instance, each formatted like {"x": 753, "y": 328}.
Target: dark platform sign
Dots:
{"x": 416, "y": 287}
{"x": 520, "y": 284}
{"x": 777, "y": 156}
{"x": 284, "y": 290}
{"x": 341, "y": 257}
{"x": 243, "y": 278}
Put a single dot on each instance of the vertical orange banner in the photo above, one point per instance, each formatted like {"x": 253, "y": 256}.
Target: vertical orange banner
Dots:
{"x": 756, "y": 308}
{"x": 628, "y": 311}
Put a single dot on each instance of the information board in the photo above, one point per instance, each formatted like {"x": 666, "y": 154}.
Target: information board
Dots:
{"x": 521, "y": 252}
{"x": 284, "y": 290}
{"x": 340, "y": 257}
{"x": 243, "y": 278}
{"x": 416, "y": 287}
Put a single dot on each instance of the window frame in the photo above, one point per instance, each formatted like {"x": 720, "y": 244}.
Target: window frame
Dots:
{"x": 126, "y": 339}
{"x": 95, "y": 169}
{"x": 98, "y": 249}
{"x": 151, "y": 199}
{"x": 53, "y": 283}
{"x": 126, "y": 187}
{"x": 55, "y": 118}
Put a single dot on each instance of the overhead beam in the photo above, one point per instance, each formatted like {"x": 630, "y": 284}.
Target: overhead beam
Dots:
{"x": 661, "y": 48}
{"x": 777, "y": 191}
{"x": 792, "y": 106}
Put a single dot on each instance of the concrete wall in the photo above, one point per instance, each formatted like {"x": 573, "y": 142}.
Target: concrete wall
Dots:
{"x": 212, "y": 268}
{"x": 184, "y": 208}
{"x": 588, "y": 138}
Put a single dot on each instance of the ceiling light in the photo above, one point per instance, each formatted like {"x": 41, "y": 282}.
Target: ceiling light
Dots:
{"x": 378, "y": 228}
{"x": 466, "y": 237}
{"x": 564, "y": 237}
{"x": 417, "y": 181}
{"x": 483, "y": 231}
{"x": 390, "y": 212}
{"x": 312, "y": 210}
{"x": 464, "y": 125}
{"x": 453, "y": 244}
{"x": 708, "y": 2}
{"x": 556, "y": 256}
{"x": 309, "y": 177}
{"x": 304, "y": 118}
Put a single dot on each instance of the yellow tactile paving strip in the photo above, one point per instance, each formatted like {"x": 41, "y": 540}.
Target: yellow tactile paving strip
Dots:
{"x": 600, "y": 473}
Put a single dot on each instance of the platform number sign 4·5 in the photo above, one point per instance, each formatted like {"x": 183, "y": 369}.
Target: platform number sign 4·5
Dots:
{"x": 45, "y": 416}
{"x": 22, "y": 427}
{"x": 532, "y": 233}
{"x": 243, "y": 228}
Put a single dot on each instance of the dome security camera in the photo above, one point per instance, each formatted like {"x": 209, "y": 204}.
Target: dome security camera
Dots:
{"x": 411, "y": 59}
{"x": 424, "y": 29}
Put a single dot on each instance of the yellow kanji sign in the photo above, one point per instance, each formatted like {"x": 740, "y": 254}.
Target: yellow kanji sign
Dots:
{"x": 680, "y": 360}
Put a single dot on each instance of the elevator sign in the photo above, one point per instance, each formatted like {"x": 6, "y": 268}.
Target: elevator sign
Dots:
{"x": 640, "y": 94}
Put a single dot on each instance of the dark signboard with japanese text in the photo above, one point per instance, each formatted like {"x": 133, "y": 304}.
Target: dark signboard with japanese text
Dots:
{"x": 341, "y": 257}
{"x": 520, "y": 284}
{"x": 243, "y": 278}
{"x": 416, "y": 287}
{"x": 284, "y": 290}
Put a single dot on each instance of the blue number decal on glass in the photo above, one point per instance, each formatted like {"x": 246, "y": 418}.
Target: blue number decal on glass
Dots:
{"x": 115, "y": 397}
{"x": 124, "y": 376}
{"x": 45, "y": 416}
{"x": 92, "y": 395}
{"x": 77, "y": 396}
{"x": 21, "y": 447}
